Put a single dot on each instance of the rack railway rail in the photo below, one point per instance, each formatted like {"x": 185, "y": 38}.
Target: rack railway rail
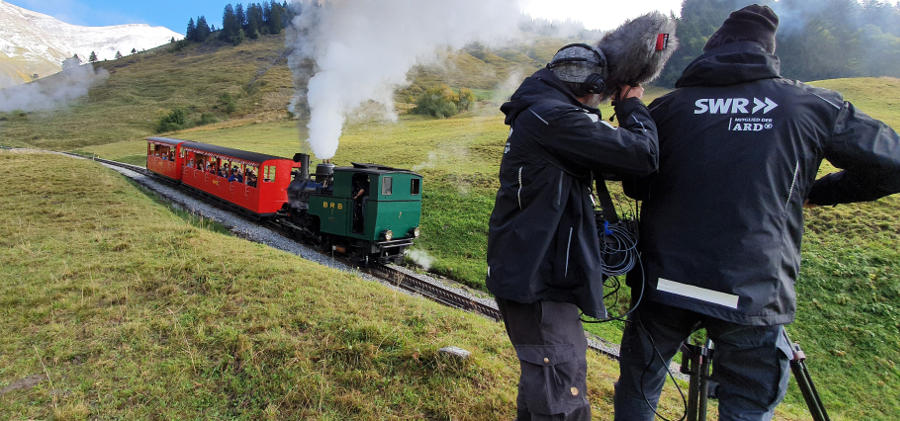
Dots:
{"x": 389, "y": 273}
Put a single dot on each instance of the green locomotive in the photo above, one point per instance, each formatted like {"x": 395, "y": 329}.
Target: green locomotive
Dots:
{"x": 369, "y": 211}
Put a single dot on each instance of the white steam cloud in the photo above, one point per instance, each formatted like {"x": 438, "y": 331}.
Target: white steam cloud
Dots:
{"x": 349, "y": 52}
{"x": 420, "y": 257}
{"x": 52, "y": 92}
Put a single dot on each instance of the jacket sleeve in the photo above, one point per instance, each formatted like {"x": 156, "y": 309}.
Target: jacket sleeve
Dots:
{"x": 638, "y": 186}
{"x": 586, "y": 141}
{"x": 868, "y": 152}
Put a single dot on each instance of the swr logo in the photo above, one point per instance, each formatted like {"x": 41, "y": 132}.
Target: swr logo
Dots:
{"x": 733, "y": 106}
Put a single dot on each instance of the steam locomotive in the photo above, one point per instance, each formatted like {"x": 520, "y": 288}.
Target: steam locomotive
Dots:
{"x": 367, "y": 211}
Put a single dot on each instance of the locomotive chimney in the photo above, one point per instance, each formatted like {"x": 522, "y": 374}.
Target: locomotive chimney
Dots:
{"x": 324, "y": 171}
{"x": 303, "y": 159}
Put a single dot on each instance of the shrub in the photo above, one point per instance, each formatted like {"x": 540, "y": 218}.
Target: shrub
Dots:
{"x": 227, "y": 103}
{"x": 466, "y": 99}
{"x": 440, "y": 101}
{"x": 207, "y": 118}
{"x": 175, "y": 120}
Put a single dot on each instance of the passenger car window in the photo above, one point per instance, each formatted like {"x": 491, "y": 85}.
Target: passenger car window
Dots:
{"x": 414, "y": 186}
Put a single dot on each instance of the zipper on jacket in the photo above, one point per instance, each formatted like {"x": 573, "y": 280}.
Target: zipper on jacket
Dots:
{"x": 519, "y": 192}
{"x": 568, "y": 247}
{"x": 793, "y": 184}
{"x": 559, "y": 190}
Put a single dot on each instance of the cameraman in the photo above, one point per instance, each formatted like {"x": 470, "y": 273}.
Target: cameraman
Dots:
{"x": 722, "y": 220}
{"x": 543, "y": 249}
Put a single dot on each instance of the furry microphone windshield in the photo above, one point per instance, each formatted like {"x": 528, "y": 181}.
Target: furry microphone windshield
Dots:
{"x": 638, "y": 50}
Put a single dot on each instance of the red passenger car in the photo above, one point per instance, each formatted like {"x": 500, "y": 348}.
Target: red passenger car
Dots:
{"x": 164, "y": 156}
{"x": 253, "y": 181}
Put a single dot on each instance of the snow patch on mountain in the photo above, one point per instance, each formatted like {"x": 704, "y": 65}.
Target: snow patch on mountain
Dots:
{"x": 33, "y": 40}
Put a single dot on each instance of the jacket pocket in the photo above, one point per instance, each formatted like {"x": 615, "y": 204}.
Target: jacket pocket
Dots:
{"x": 559, "y": 190}
{"x": 553, "y": 378}
{"x": 519, "y": 190}
{"x": 793, "y": 184}
{"x": 568, "y": 251}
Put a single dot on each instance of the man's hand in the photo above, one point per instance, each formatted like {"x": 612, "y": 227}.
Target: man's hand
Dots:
{"x": 807, "y": 205}
{"x": 627, "y": 91}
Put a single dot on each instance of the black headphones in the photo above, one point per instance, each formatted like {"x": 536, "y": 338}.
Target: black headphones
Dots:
{"x": 594, "y": 83}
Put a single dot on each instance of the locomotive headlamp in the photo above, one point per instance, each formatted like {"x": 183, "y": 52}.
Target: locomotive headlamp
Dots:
{"x": 415, "y": 232}
{"x": 388, "y": 235}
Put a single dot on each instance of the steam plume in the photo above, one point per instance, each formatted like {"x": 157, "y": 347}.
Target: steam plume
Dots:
{"x": 349, "y": 52}
{"x": 53, "y": 92}
{"x": 420, "y": 257}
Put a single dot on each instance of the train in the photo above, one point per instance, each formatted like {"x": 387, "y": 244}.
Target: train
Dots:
{"x": 369, "y": 212}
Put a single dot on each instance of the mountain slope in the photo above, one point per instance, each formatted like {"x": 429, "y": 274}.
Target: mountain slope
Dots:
{"x": 33, "y": 43}
{"x": 249, "y": 81}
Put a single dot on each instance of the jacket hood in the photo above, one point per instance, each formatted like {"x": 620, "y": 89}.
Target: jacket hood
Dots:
{"x": 730, "y": 64}
{"x": 543, "y": 85}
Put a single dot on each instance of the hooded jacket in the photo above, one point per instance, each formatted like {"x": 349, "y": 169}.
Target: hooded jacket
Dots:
{"x": 543, "y": 242}
{"x": 740, "y": 148}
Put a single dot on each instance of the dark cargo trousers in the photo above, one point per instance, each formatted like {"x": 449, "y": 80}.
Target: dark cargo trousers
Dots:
{"x": 550, "y": 343}
{"x": 750, "y": 363}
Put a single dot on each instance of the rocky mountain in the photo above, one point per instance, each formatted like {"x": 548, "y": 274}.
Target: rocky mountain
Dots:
{"x": 36, "y": 44}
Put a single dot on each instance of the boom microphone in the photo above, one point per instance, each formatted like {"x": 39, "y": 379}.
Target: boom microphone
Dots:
{"x": 638, "y": 50}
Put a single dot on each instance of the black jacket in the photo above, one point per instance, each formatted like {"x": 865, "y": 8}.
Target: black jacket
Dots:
{"x": 543, "y": 242}
{"x": 739, "y": 151}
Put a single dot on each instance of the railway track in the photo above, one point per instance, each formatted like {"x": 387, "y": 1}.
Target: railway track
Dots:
{"x": 401, "y": 277}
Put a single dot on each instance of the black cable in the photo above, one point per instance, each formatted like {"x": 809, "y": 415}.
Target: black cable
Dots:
{"x": 624, "y": 239}
{"x": 668, "y": 371}
{"x": 619, "y": 243}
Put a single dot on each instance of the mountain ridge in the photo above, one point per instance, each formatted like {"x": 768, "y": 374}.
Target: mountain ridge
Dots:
{"x": 32, "y": 43}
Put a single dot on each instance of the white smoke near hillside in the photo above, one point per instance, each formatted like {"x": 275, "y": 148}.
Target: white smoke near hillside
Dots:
{"x": 349, "y": 52}
{"x": 420, "y": 257}
{"x": 53, "y": 92}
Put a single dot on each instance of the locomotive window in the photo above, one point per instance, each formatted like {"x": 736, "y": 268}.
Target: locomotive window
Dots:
{"x": 387, "y": 187}
{"x": 414, "y": 186}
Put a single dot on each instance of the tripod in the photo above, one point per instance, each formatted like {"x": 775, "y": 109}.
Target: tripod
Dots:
{"x": 696, "y": 363}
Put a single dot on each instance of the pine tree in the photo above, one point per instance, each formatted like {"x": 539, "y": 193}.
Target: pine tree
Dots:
{"x": 276, "y": 18}
{"x": 93, "y": 57}
{"x": 254, "y": 20}
{"x": 203, "y": 29}
{"x": 133, "y": 51}
{"x": 118, "y": 55}
{"x": 231, "y": 29}
{"x": 267, "y": 16}
{"x": 191, "y": 33}
{"x": 240, "y": 15}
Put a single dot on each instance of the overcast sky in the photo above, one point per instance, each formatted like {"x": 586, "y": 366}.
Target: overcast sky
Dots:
{"x": 595, "y": 14}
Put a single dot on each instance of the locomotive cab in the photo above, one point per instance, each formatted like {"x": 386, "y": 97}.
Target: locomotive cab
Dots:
{"x": 369, "y": 210}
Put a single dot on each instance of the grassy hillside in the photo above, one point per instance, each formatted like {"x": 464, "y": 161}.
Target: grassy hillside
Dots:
{"x": 847, "y": 319}
{"x": 236, "y": 85}
{"x": 848, "y": 292}
{"x": 143, "y": 87}
{"x": 112, "y": 306}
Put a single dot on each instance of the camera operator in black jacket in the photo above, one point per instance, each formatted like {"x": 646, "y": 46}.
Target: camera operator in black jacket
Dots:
{"x": 543, "y": 247}
{"x": 722, "y": 220}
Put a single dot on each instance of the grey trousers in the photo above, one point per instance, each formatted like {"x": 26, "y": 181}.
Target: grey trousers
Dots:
{"x": 750, "y": 363}
{"x": 550, "y": 343}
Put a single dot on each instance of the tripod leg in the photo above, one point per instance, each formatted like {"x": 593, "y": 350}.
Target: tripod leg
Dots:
{"x": 690, "y": 364}
{"x": 695, "y": 362}
{"x": 705, "y": 356}
{"x": 804, "y": 381}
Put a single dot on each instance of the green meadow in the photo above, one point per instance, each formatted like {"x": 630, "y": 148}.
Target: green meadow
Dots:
{"x": 130, "y": 309}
